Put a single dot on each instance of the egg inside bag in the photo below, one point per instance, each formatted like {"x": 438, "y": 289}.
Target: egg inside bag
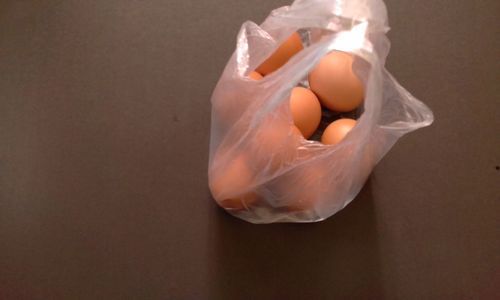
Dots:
{"x": 304, "y": 110}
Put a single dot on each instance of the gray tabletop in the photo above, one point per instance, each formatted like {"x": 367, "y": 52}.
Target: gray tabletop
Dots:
{"x": 104, "y": 130}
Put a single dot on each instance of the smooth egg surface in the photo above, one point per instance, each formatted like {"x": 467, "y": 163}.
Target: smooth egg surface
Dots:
{"x": 335, "y": 83}
{"x": 337, "y": 130}
{"x": 306, "y": 110}
{"x": 289, "y": 48}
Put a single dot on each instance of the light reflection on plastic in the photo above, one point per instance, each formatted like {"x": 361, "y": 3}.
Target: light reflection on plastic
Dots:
{"x": 242, "y": 56}
{"x": 354, "y": 39}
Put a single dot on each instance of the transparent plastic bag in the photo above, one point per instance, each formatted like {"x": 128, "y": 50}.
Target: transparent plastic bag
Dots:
{"x": 260, "y": 169}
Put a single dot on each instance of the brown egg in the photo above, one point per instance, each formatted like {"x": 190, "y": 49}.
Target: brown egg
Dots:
{"x": 255, "y": 75}
{"x": 335, "y": 84}
{"x": 337, "y": 130}
{"x": 296, "y": 131}
{"x": 230, "y": 185}
{"x": 275, "y": 145}
{"x": 303, "y": 188}
{"x": 242, "y": 202}
{"x": 306, "y": 110}
{"x": 289, "y": 48}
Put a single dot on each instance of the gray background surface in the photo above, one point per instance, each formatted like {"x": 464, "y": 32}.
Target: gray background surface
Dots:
{"x": 104, "y": 130}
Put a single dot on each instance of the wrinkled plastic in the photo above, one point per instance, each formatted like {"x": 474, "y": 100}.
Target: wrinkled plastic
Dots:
{"x": 292, "y": 179}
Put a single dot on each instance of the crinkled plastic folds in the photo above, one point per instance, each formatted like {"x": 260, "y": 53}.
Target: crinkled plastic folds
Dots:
{"x": 259, "y": 169}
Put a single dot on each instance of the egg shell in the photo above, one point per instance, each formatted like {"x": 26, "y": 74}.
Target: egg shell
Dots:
{"x": 335, "y": 83}
{"x": 337, "y": 130}
{"x": 306, "y": 110}
{"x": 274, "y": 145}
{"x": 231, "y": 184}
{"x": 301, "y": 189}
{"x": 255, "y": 75}
{"x": 296, "y": 132}
{"x": 289, "y": 48}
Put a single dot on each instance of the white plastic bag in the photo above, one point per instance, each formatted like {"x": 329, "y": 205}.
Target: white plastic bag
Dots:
{"x": 262, "y": 171}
